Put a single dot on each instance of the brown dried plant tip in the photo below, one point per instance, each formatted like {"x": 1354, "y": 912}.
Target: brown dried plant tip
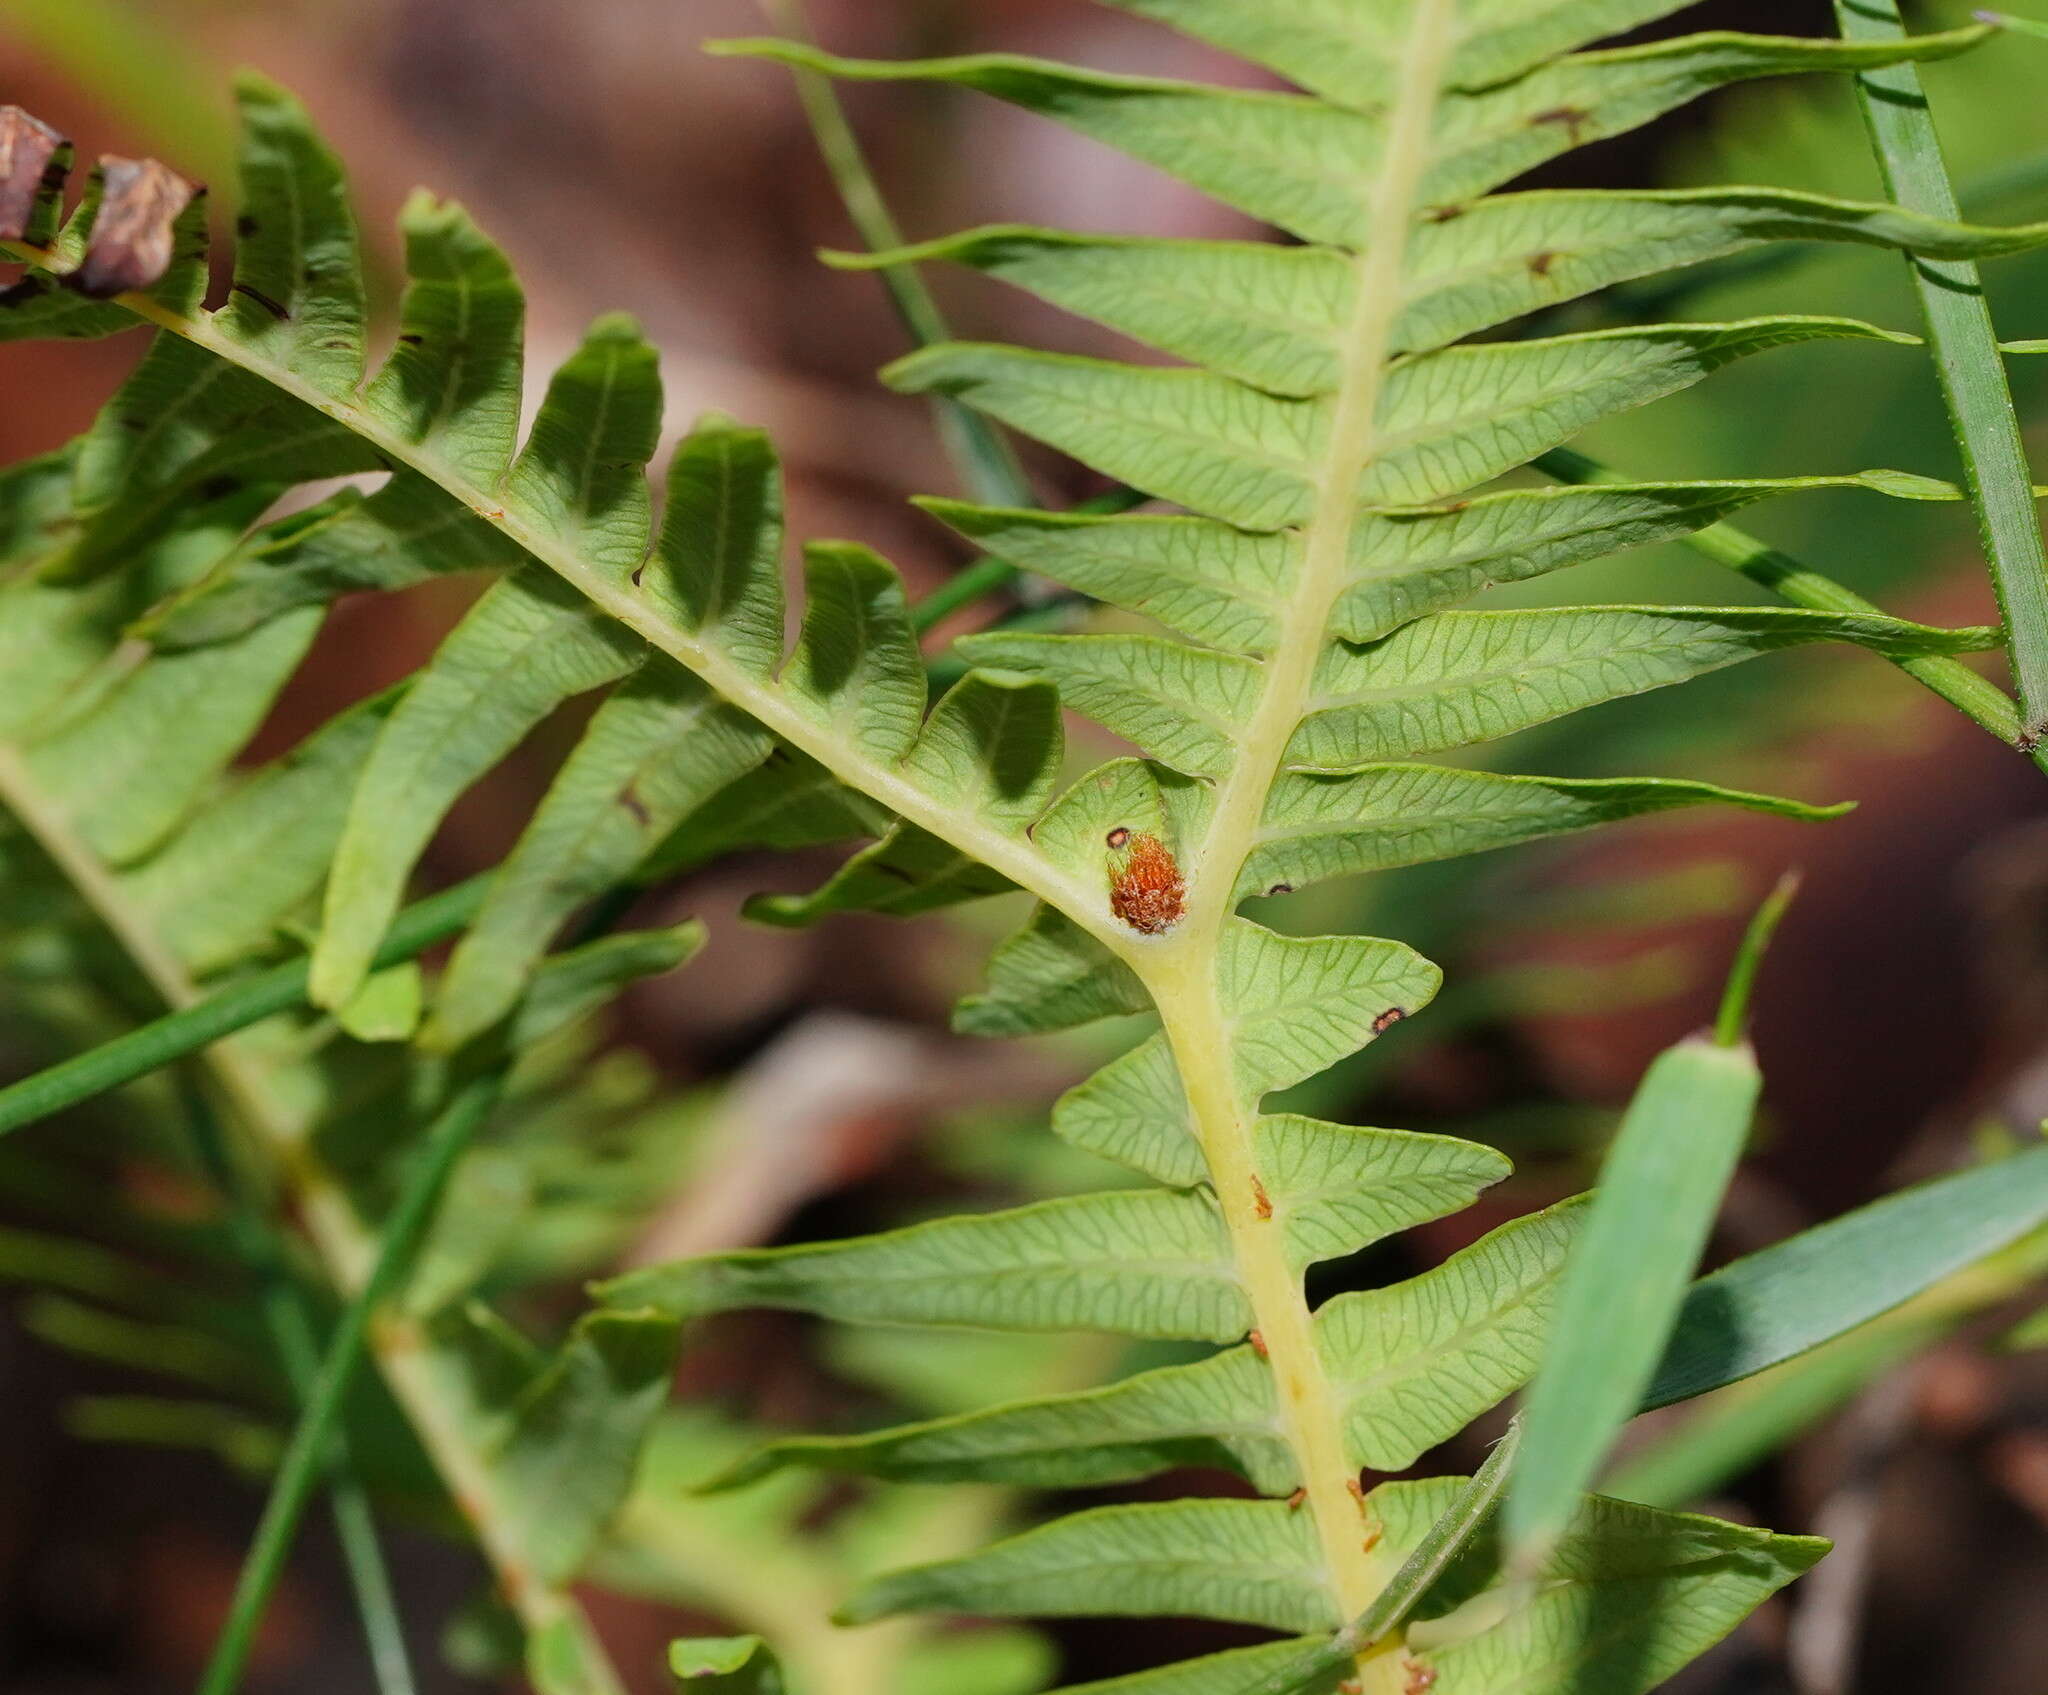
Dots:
{"x": 133, "y": 236}
{"x": 31, "y": 155}
{"x": 1145, "y": 887}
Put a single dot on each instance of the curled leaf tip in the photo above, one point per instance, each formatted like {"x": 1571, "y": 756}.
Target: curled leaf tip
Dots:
{"x": 1734, "y": 1014}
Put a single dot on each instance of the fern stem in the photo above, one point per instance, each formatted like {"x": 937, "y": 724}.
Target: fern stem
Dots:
{"x": 1442, "y": 1543}
{"x": 1181, "y": 973}
{"x": 288, "y": 1316}
{"x": 1014, "y": 856}
{"x": 988, "y": 466}
{"x": 1979, "y": 699}
{"x": 307, "y": 1456}
{"x": 1966, "y": 359}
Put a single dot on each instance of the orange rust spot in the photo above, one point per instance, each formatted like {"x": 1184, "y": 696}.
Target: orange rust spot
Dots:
{"x": 1351, "y": 1686}
{"x": 1262, "y": 1203}
{"x": 1539, "y": 263}
{"x": 1420, "y": 1677}
{"x": 1145, "y": 887}
{"x": 1372, "y": 1539}
{"x": 1573, "y": 118}
{"x": 1388, "y": 1019}
{"x": 1294, "y": 1501}
{"x": 1258, "y": 1343}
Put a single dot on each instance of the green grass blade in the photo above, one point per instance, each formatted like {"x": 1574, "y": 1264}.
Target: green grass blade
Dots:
{"x": 306, "y": 1458}
{"x": 986, "y": 463}
{"x": 1626, "y": 1279}
{"x": 1734, "y": 1013}
{"x": 2024, "y": 26}
{"x": 288, "y": 1316}
{"x": 1776, "y": 1304}
{"x": 170, "y": 1038}
{"x": 1760, "y": 1417}
{"x": 1966, "y": 359}
{"x": 1447, "y": 1538}
{"x": 1624, "y": 1285}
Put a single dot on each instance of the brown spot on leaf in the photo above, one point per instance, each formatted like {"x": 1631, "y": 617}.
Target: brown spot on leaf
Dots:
{"x": 1444, "y": 214}
{"x": 1281, "y": 889}
{"x": 1420, "y": 1677}
{"x": 1388, "y": 1019}
{"x": 411, "y": 339}
{"x": 1262, "y": 1203}
{"x": 30, "y": 152}
{"x": 1539, "y": 263}
{"x": 1295, "y": 1500}
{"x": 630, "y": 799}
{"x": 274, "y": 308}
{"x": 131, "y": 242}
{"x": 1258, "y": 1343}
{"x": 1572, "y": 118}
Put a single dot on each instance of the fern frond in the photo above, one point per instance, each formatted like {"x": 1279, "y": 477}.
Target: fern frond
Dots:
{"x": 1325, "y": 442}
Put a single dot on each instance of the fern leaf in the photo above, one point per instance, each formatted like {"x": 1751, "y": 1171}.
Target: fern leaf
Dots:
{"x": 255, "y": 857}
{"x": 1139, "y": 1264}
{"x": 1251, "y": 1562}
{"x": 405, "y": 533}
{"x": 1461, "y": 677}
{"x": 1413, "y": 1364}
{"x": 717, "y": 564}
{"x": 1417, "y": 1362}
{"x": 1220, "y": 1412}
{"x": 575, "y": 1435}
{"x": 1331, "y": 824}
{"x": 297, "y": 295}
{"x": 653, "y": 753}
{"x": 1675, "y": 1578}
{"x": 1274, "y": 317}
{"x": 451, "y": 385}
{"x": 1450, "y": 421}
{"x": 527, "y": 646}
{"x": 1302, "y": 164}
{"x": 725, "y": 1665}
{"x": 1228, "y": 1673}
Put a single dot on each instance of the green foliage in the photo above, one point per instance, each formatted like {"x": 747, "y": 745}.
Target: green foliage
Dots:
{"x": 1327, "y": 444}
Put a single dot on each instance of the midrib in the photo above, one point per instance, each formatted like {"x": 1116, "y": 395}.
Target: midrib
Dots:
{"x": 1181, "y": 973}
